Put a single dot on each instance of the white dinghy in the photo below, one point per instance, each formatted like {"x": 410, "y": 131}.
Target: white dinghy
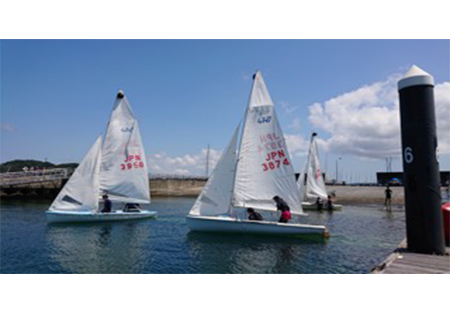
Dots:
{"x": 118, "y": 169}
{"x": 262, "y": 170}
{"x": 311, "y": 182}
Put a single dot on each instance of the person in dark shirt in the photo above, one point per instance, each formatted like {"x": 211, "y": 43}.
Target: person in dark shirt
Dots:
{"x": 107, "y": 204}
{"x": 284, "y": 208}
{"x": 388, "y": 197}
{"x": 319, "y": 203}
{"x": 329, "y": 204}
{"x": 254, "y": 216}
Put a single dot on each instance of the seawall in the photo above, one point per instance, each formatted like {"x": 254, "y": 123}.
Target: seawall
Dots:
{"x": 176, "y": 187}
{"x": 173, "y": 187}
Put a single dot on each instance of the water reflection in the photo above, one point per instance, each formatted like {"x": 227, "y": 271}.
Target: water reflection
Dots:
{"x": 361, "y": 237}
{"x": 242, "y": 253}
{"x": 98, "y": 248}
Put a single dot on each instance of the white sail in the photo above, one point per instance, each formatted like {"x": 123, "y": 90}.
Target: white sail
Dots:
{"x": 315, "y": 185}
{"x": 81, "y": 192}
{"x": 264, "y": 167}
{"x": 124, "y": 173}
{"x": 215, "y": 197}
{"x": 301, "y": 183}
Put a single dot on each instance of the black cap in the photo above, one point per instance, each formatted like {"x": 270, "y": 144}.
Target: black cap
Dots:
{"x": 120, "y": 94}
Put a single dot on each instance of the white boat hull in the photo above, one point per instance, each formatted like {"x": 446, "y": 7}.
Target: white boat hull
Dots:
{"x": 72, "y": 217}
{"x": 232, "y": 225}
{"x": 313, "y": 206}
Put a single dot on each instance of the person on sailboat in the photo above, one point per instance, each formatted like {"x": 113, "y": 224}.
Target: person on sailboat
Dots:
{"x": 319, "y": 203}
{"x": 284, "y": 208}
{"x": 107, "y": 204}
{"x": 254, "y": 216}
{"x": 329, "y": 204}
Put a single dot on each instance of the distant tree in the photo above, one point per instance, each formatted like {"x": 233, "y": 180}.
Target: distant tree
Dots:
{"x": 19, "y": 165}
{"x": 67, "y": 165}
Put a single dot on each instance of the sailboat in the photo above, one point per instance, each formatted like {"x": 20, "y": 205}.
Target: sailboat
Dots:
{"x": 118, "y": 168}
{"x": 311, "y": 182}
{"x": 251, "y": 177}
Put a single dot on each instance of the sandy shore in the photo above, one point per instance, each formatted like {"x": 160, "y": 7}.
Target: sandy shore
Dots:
{"x": 365, "y": 194}
{"x": 344, "y": 194}
{"x": 192, "y": 188}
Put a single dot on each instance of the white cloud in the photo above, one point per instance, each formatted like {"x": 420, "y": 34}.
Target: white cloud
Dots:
{"x": 288, "y": 108}
{"x": 366, "y": 122}
{"x": 246, "y": 76}
{"x": 7, "y": 127}
{"x": 188, "y": 164}
{"x": 442, "y": 102}
{"x": 297, "y": 144}
{"x": 296, "y": 124}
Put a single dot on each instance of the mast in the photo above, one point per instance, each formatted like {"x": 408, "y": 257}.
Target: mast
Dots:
{"x": 240, "y": 139}
{"x": 304, "y": 177}
{"x": 207, "y": 162}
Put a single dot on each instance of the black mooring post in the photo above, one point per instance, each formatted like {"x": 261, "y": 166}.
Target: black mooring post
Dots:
{"x": 424, "y": 227}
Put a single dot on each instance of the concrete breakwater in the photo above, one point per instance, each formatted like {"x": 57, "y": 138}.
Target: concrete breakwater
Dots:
{"x": 173, "y": 187}
{"x": 45, "y": 190}
{"x": 176, "y": 187}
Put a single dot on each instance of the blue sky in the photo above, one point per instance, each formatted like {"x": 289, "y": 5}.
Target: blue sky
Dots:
{"x": 57, "y": 95}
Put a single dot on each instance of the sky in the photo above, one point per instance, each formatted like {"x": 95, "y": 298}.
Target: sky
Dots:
{"x": 57, "y": 95}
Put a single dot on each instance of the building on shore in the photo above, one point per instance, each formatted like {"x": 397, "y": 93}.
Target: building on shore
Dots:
{"x": 396, "y": 178}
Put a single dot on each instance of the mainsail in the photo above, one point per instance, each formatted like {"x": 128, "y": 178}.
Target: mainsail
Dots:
{"x": 315, "y": 185}
{"x": 264, "y": 168}
{"x": 80, "y": 193}
{"x": 215, "y": 197}
{"x": 123, "y": 173}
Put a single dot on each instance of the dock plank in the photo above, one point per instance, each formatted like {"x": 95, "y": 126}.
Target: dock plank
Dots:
{"x": 401, "y": 261}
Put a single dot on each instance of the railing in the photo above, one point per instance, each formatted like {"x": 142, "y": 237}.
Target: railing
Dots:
{"x": 176, "y": 177}
{"x": 36, "y": 176}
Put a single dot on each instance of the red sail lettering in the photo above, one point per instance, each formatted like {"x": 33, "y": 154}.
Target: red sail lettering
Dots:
{"x": 274, "y": 154}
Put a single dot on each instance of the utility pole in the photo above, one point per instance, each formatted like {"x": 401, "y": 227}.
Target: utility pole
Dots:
{"x": 337, "y": 169}
{"x": 207, "y": 162}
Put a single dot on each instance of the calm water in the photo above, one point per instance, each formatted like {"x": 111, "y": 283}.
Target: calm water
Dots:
{"x": 361, "y": 237}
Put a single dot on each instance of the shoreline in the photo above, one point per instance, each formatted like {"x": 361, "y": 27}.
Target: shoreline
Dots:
{"x": 343, "y": 194}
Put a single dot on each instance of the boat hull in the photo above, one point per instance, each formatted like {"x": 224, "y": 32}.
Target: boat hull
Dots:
{"x": 231, "y": 225}
{"x": 313, "y": 206}
{"x": 85, "y": 217}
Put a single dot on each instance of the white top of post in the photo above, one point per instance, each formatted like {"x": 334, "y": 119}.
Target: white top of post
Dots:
{"x": 415, "y": 77}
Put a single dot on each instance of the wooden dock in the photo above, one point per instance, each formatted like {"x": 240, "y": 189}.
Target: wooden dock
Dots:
{"x": 403, "y": 262}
